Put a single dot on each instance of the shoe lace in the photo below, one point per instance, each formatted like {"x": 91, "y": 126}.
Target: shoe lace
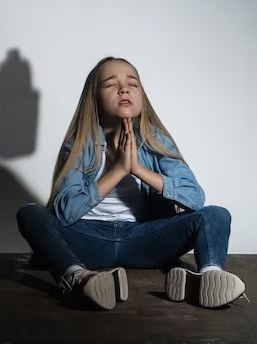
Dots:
{"x": 77, "y": 278}
{"x": 81, "y": 277}
{"x": 243, "y": 296}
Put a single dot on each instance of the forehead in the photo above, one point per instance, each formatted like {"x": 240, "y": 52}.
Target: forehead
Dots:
{"x": 110, "y": 68}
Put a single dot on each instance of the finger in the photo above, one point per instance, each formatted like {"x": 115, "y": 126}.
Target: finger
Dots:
{"x": 125, "y": 122}
{"x": 130, "y": 125}
{"x": 128, "y": 141}
{"x": 133, "y": 139}
{"x": 121, "y": 138}
{"x": 124, "y": 138}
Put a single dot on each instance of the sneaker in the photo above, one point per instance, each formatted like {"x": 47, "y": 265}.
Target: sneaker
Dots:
{"x": 121, "y": 283}
{"x": 214, "y": 288}
{"x": 102, "y": 288}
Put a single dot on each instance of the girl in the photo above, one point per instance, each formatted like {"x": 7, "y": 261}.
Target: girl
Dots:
{"x": 123, "y": 195}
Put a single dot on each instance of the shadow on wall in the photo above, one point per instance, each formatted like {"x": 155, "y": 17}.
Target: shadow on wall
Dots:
{"x": 18, "y": 107}
{"x": 18, "y": 130}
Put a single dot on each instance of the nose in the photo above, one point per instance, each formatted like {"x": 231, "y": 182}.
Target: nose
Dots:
{"x": 123, "y": 89}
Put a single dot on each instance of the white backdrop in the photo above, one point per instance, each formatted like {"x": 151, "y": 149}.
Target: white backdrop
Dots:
{"x": 197, "y": 61}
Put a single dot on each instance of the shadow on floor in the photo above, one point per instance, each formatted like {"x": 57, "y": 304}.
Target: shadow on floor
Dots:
{"x": 12, "y": 196}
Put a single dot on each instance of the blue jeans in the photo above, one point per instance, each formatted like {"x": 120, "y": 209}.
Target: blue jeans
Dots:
{"x": 101, "y": 244}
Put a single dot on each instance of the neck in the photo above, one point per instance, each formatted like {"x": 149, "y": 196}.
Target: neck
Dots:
{"x": 112, "y": 136}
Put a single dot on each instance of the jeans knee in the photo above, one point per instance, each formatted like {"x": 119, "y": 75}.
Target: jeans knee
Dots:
{"x": 25, "y": 216}
{"x": 220, "y": 215}
{"x": 219, "y": 211}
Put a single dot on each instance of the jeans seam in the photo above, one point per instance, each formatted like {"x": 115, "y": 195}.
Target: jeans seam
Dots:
{"x": 208, "y": 237}
{"x": 116, "y": 251}
{"x": 74, "y": 262}
{"x": 211, "y": 256}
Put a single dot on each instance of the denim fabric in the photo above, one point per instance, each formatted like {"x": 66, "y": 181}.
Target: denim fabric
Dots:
{"x": 79, "y": 192}
{"x": 101, "y": 244}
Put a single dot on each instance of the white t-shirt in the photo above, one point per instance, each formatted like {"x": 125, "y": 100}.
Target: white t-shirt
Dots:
{"x": 123, "y": 203}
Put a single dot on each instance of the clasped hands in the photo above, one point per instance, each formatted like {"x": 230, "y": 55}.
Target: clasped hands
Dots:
{"x": 126, "y": 162}
{"x": 126, "y": 156}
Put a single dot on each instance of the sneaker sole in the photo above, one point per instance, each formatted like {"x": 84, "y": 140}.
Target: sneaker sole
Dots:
{"x": 175, "y": 285}
{"x": 217, "y": 288}
{"x": 100, "y": 289}
{"x": 121, "y": 283}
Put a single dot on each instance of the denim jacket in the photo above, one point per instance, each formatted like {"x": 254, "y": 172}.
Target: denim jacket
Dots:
{"x": 79, "y": 192}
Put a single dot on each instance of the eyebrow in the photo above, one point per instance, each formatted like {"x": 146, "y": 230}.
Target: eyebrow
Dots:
{"x": 115, "y": 76}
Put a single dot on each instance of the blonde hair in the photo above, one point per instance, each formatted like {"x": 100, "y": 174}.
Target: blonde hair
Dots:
{"x": 85, "y": 127}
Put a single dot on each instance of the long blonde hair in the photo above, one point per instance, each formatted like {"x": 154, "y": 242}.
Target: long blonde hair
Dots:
{"x": 85, "y": 127}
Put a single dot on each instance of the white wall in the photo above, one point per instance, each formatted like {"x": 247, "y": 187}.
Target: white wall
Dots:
{"x": 197, "y": 60}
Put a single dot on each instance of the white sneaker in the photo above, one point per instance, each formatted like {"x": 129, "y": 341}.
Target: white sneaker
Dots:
{"x": 214, "y": 288}
{"x": 121, "y": 283}
{"x": 102, "y": 288}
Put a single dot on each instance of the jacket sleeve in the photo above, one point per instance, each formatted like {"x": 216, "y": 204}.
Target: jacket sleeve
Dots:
{"x": 179, "y": 182}
{"x": 76, "y": 195}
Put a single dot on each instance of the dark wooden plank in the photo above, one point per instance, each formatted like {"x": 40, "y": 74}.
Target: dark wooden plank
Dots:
{"x": 32, "y": 311}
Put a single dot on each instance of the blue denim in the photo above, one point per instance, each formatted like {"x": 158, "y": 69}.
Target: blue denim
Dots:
{"x": 101, "y": 244}
{"x": 79, "y": 192}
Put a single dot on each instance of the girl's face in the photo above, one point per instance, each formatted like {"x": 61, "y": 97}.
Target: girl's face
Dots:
{"x": 120, "y": 93}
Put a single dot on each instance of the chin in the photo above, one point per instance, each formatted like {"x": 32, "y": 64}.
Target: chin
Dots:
{"x": 127, "y": 115}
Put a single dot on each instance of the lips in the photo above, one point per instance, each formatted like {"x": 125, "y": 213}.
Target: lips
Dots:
{"x": 125, "y": 101}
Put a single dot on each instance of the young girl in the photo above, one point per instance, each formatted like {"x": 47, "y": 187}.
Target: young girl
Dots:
{"x": 123, "y": 196}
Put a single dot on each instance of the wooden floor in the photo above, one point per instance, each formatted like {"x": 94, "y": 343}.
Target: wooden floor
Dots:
{"x": 33, "y": 311}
